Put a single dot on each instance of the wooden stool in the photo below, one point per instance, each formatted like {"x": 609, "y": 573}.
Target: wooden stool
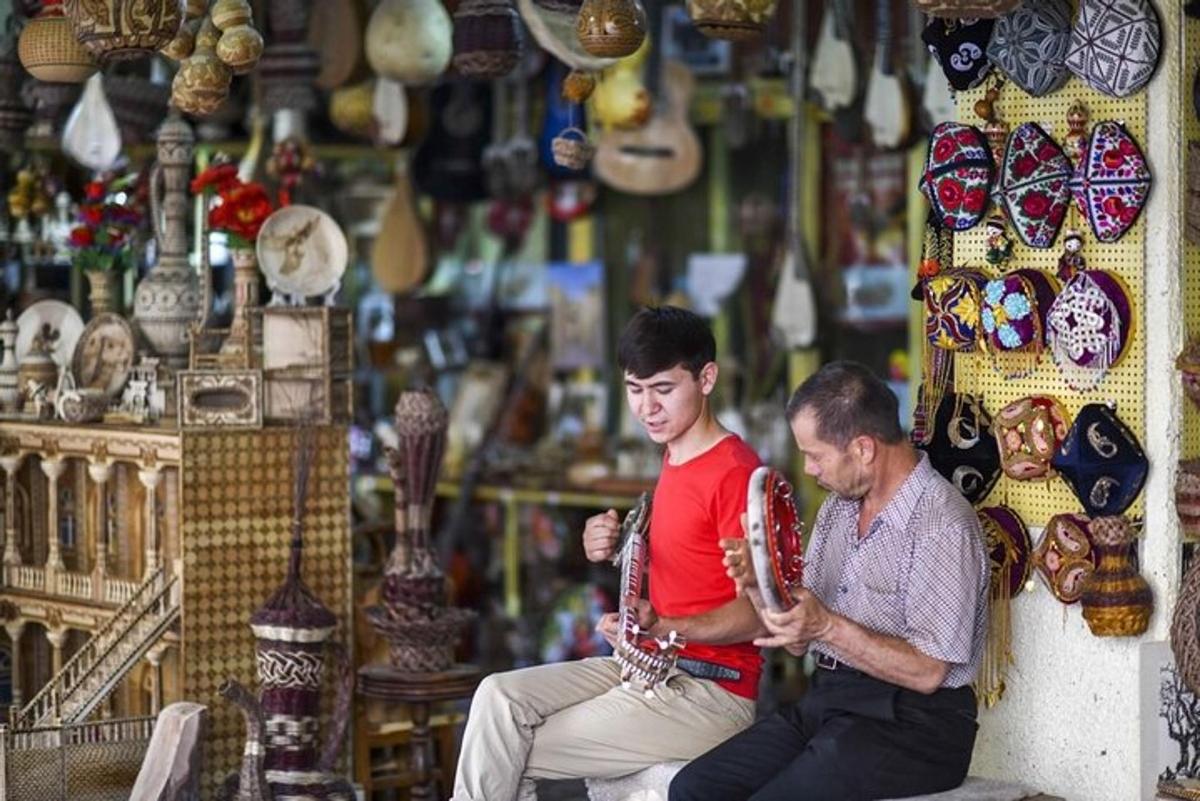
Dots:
{"x": 419, "y": 691}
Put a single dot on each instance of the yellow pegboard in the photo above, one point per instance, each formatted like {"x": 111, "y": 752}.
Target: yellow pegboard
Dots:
{"x": 1036, "y": 502}
{"x": 1190, "y": 255}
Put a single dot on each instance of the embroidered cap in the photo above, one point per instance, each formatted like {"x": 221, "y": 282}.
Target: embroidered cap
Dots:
{"x": 1112, "y": 181}
{"x": 958, "y": 175}
{"x": 1089, "y": 327}
{"x": 1115, "y": 45}
{"x": 952, "y": 302}
{"x": 1102, "y": 461}
{"x": 1028, "y": 432}
{"x": 1064, "y": 557}
{"x": 960, "y": 47}
{"x": 1009, "y": 548}
{"x": 1013, "y": 316}
{"x": 962, "y": 447}
{"x": 1030, "y": 45}
{"x": 1034, "y": 185}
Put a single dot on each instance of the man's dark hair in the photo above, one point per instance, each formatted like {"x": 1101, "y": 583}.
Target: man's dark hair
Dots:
{"x": 848, "y": 401}
{"x": 659, "y": 338}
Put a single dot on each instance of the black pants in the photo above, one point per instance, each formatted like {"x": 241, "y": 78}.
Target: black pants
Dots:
{"x": 850, "y": 738}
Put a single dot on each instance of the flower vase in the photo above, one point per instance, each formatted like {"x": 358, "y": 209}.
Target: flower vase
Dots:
{"x": 1116, "y": 600}
{"x": 245, "y": 297}
{"x": 101, "y": 291}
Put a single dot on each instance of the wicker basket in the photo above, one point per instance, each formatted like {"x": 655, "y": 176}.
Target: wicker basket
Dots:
{"x": 1187, "y": 497}
{"x": 50, "y": 52}
{"x": 1185, "y": 641}
{"x": 572, "y": 149}
{"x": 1116, "y": 600}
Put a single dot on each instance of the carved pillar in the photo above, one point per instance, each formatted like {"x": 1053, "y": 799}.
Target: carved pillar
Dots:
{"x": 99, "y": 472}
{"x": 56, "y": 637}
{"x": 150, "y": 477}
{"x": 155, "y": 656}
{"x": 11, "y": 463}
{"x": 14, "y": 629}
{"x": 53, "y": 467}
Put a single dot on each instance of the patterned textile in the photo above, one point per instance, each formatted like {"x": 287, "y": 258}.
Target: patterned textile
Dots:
{"x": 1065, "y": 557}
{"x": 962, "y": 447}
{"x": 1014, "y": 309}
{"x": 1088, "y": 327}
{"x": 958, "y": 174}
{"x": 1009, "y": 547}
{"x": 1034, "y": 185}
{"x": 960, "y": 47}
{"x": 1028, "y": 432}
{"x": 1030, "y": 45}
{"x": 919, "y": 573}
{"x": 1115, "y": 45}
{"x": 1112, "y": 181}
{"x": 952, "y": 302}
{"x": 1102, "y": 461}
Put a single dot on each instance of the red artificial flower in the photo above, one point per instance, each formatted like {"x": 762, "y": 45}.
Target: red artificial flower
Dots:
{"x": 92, "y": 215}
{"x": 1035, "y": 204}
{"x": 950, "y": 193}
{"x": 82, "y": 237}
{"x": 242, "y": 211}
{"x": 220, "y": 177}
{"x": 94, "y": 191}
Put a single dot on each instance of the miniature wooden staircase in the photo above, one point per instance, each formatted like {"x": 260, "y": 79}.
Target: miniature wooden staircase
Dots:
{"x": 98, "y": 667}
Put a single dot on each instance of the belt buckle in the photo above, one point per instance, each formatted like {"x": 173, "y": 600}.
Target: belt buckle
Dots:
{"x": 825, "y": 661}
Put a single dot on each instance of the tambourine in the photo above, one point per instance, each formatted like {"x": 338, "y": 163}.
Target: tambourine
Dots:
{"x": 775, "y": 536}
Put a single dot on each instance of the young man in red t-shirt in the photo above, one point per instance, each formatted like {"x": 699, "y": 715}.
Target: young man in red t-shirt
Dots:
{"x": 574, "y": 719}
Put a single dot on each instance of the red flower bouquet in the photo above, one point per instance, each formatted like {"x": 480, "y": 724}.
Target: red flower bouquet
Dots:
{"x": 104, "y": 236}
{"x": 241, "y": 206}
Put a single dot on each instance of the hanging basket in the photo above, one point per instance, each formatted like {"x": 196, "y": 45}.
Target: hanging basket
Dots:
{"x": 572, "y": 149}
{"x": 1187, "y": 497}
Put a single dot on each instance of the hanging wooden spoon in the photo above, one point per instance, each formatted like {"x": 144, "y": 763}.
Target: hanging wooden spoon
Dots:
{"x": 400, "y": 257}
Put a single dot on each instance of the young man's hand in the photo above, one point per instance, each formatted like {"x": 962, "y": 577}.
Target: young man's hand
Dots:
{"x": 607, "y": 626}
{"x": 600, "y": 535}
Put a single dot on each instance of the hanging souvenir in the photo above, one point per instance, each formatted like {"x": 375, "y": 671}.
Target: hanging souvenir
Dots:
{"x": 1028, "y": 432}
{"x": 1116, "y": 601}
{"x": 1009, "y": 553}
{"x": 960, "y": 48}
{"x": 91, "y": 135}
{"x": 1030, "y": 45}
{"x": 1111, "y": 181}
{"x": 1064, "y": 557}
{"x": 999, "y": 245}
{"x": 951, "y": 301}
{"x": 1187, "y": 493}
{"x": 995, "y": 130}
{"x": 1013, "y": 316}
{"x": 1102, "y": 461}
{"x": 1089, "y": 326}
{"x": 1071, "y": 262}
{"x": 958, "y": 173}
{"x": 1115, "y": 45}
{"x": 1188, "y": 365}
{"x": 962, "y": 448}
{"x": 1075, "y": 142}
{"x": 1033, "y": 187}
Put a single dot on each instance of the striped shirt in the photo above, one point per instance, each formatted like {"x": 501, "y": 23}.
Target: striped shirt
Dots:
{"x": 920, "y": 572}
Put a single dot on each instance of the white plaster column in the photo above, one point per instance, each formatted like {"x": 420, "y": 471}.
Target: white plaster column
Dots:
{"x": 99, "y": 472}
{"x": 155, "y": 656}
{"x": 14, "y": 629}
{"x": 150, "y": 477}
{"x": 53, "y": 468}
{"x": 57, "y": 637}
{"x": 10, "y": 464}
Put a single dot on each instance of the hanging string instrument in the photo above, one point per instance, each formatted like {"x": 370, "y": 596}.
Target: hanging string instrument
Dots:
{"x": 642, "y": 657}
{"x": 774, "y": 534}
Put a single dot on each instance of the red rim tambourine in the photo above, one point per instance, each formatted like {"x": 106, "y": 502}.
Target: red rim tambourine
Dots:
{"x": 775, "y": 536}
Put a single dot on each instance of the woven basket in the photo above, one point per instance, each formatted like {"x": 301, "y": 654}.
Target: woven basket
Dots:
{"x": 1187, "y": 497}
{"x": 421, "y": 644}
{"x": 964, "y": 9}
{"x": 1185, "y": 643}
{"x": 50, "y": 52}
{"x": 1116, "y": 600}
{"x": 572, "y": 149}
{"x": 481, "y": 64}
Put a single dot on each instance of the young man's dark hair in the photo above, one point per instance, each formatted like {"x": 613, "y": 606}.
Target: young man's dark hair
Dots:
{"x": 848, "y": 401}
{"x": 658, "y": 338}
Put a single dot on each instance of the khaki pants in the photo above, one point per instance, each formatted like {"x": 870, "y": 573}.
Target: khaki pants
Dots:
{"x": 574, "y": 720}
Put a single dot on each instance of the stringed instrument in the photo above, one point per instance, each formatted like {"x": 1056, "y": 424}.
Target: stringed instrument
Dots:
{"x": 664, "y": 155}
{"x": 834, "y": 66}
{"x": 400, "y": 253}
{"x": 886, "y": 108}
{"x": 449, "y": 163}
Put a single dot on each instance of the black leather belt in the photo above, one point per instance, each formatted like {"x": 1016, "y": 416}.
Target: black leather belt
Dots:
{"x": 827, "y": 662}
{"x": 698, "y": 668}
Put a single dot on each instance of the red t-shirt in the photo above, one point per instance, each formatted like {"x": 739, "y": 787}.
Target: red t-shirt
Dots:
{"x": 696, "y": 504}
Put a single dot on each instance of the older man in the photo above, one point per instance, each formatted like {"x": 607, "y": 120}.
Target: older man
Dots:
{"x": 894, "y": 610}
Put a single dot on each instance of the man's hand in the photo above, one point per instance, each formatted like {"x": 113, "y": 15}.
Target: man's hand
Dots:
{"x": 600, "y": 535}
{"x": 607, "y": 626}
{"x": 794, "y": 629}
{"x": 737, "y": 563}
